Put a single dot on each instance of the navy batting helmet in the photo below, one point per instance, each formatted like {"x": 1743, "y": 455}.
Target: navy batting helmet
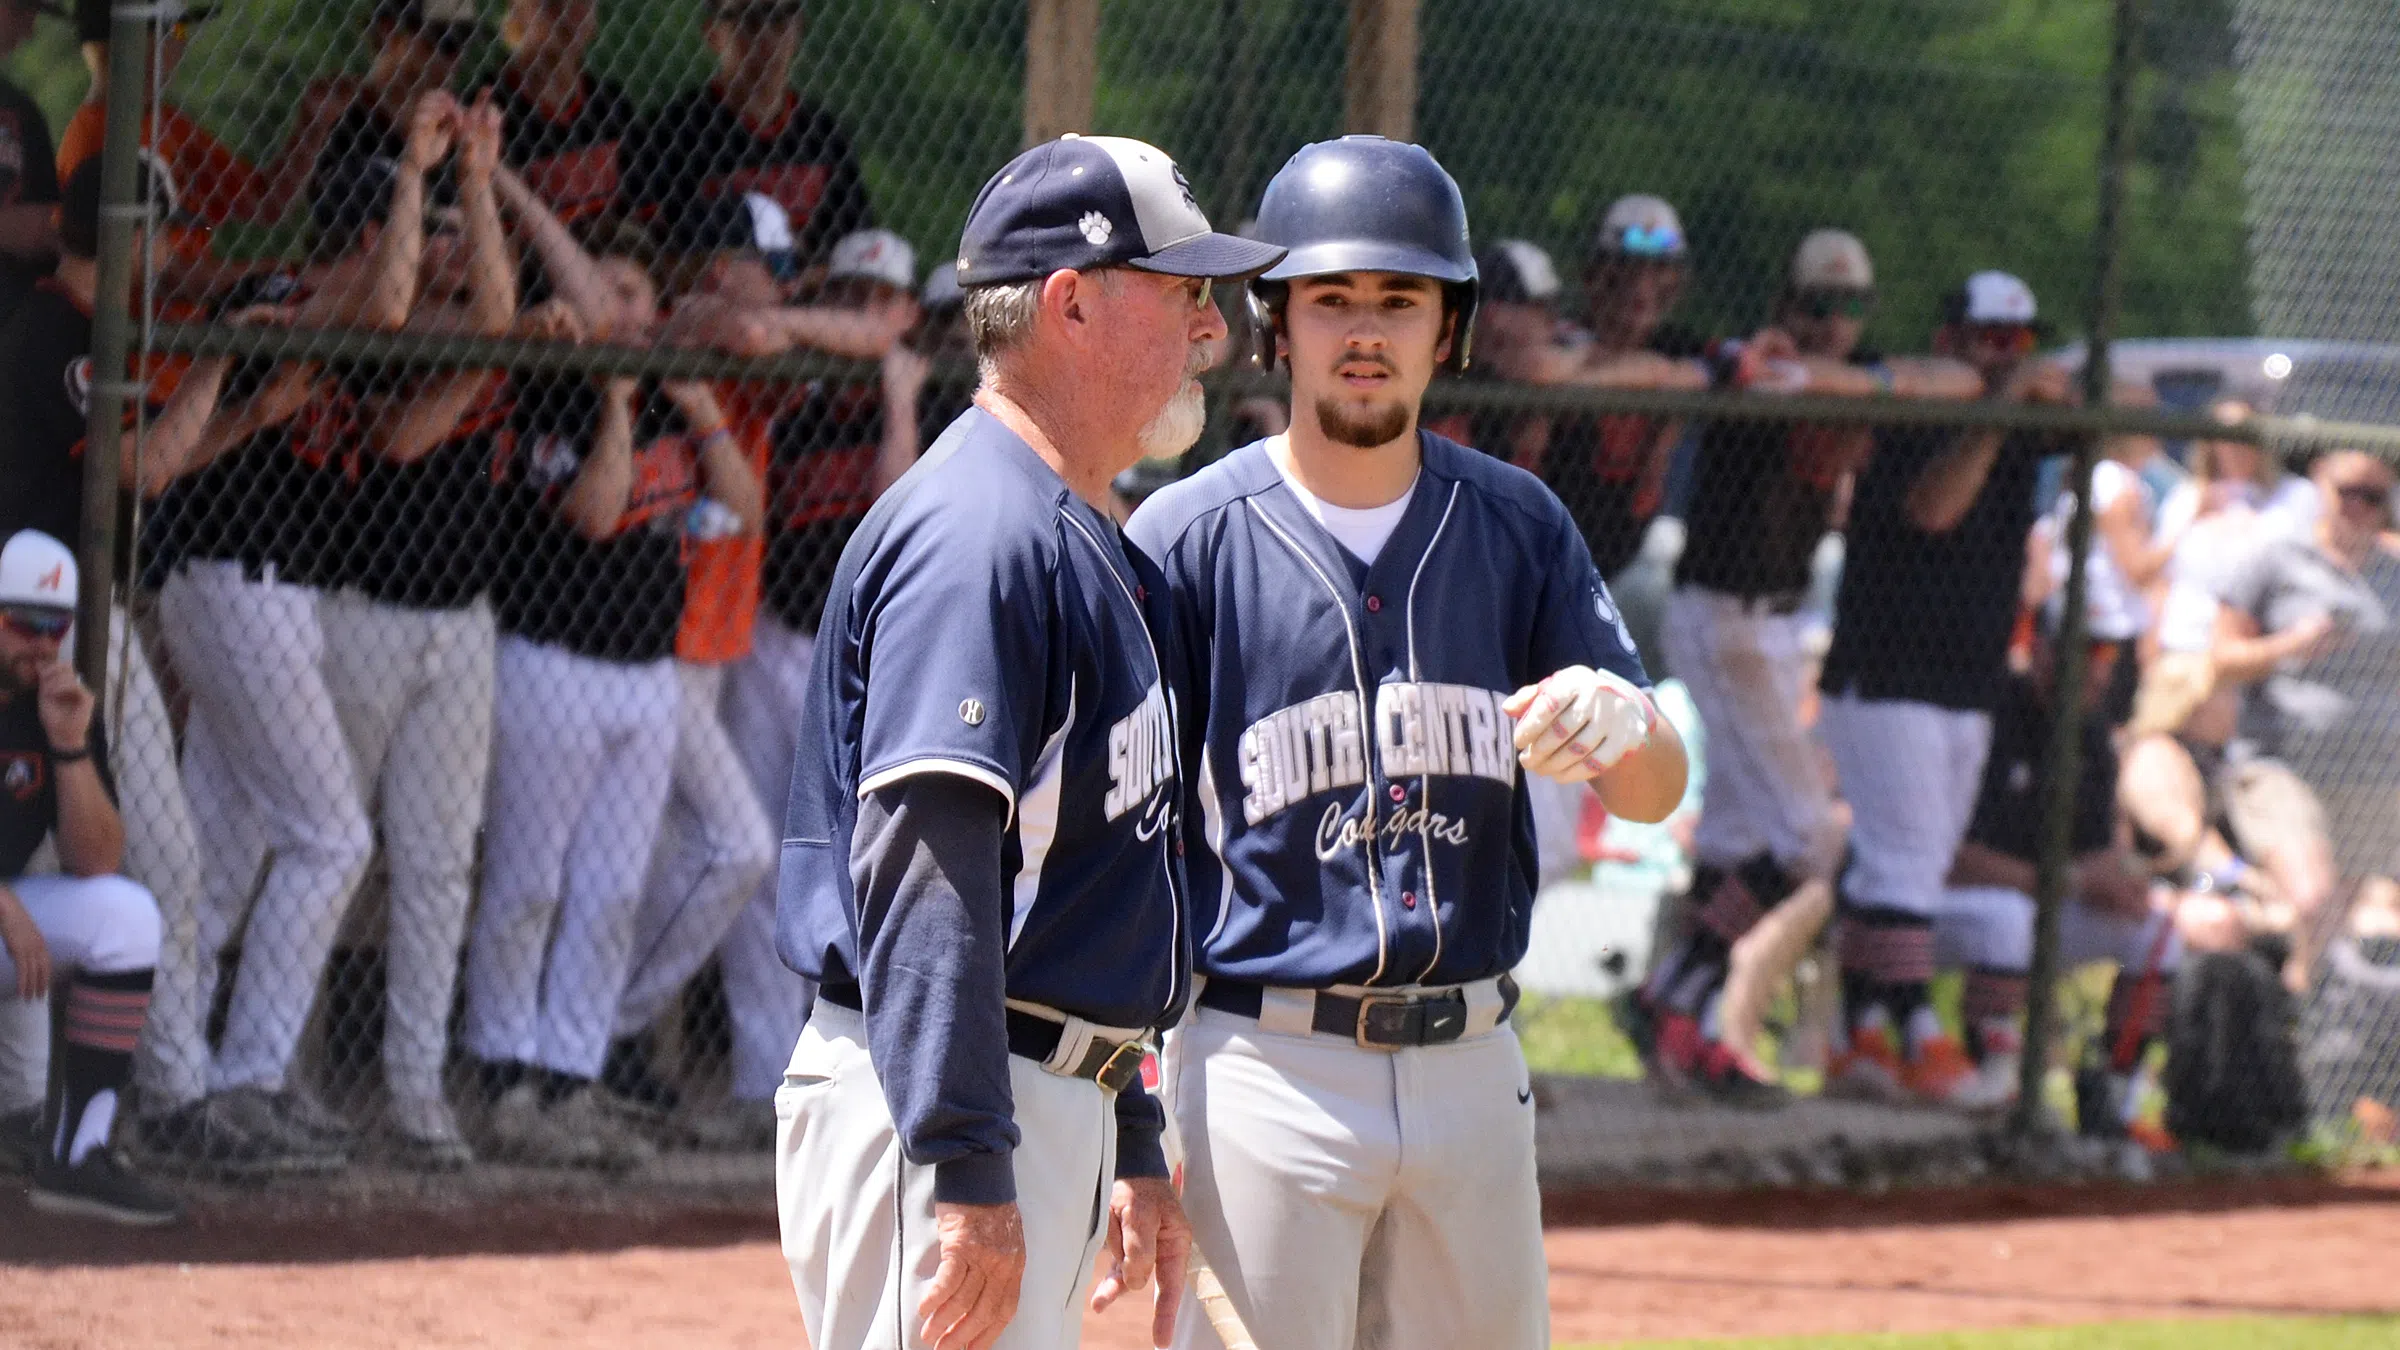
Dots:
{"x": 1364, "y": 204}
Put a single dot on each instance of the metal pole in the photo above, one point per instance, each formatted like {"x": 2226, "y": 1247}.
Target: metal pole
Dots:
{"x": 104, "y": 451}
{"x": 2062, "y": 764}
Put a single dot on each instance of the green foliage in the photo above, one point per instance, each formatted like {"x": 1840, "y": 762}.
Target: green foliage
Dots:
{"x": 2327, "y": 1333}
{"x": 1949, "y": 135}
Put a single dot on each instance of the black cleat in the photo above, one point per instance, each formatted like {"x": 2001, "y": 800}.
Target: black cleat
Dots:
{"x": 100, "y": 1187}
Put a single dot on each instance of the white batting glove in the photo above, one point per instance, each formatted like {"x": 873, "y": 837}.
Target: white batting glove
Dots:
{"x": 1578, "y": 723}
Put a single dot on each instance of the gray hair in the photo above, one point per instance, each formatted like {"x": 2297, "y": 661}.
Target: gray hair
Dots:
{"x": 999, "y": 318}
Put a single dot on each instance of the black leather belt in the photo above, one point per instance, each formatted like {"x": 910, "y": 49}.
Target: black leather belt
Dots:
{"x": 1384, "y": 1021}
{"x": 1112, "y": 1064}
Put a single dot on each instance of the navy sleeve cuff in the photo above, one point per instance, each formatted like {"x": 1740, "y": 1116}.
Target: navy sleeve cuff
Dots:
{"x": 976, "y": 1179}
{"x": 1141, "y": 1135}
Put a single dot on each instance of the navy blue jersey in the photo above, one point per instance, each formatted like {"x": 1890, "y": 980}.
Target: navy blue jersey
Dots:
{"x": 1360, "y": 799}
{"x": 988, "y": 623}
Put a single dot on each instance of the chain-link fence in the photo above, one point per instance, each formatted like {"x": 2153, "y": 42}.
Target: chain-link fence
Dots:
{"x": 511, "y": 375}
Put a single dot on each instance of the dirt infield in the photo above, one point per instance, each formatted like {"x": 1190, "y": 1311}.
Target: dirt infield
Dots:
{"x": 1622, "y": 1266}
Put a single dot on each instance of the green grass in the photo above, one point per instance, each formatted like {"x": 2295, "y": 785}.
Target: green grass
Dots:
{"x": 2329, "y": 1333}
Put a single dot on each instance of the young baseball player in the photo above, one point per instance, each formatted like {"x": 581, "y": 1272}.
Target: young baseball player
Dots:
{"x": 1386, "y": 630}
{"x": 1764, "y": 494}
{"x": 28, "y": 170}
{"x": 1930, "y": 582}
{"x": 409, "y": 640}
{"x": 274, "y": 794}
{"x": 980, "y": 863}
{"x": 566, "y": 125}
{"x": 89, "y": 928}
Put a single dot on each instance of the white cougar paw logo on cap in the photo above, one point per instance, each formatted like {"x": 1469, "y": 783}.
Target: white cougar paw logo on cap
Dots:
{"x": 1096, "y": 227}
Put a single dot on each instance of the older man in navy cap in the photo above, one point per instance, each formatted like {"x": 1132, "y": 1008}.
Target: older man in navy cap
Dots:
{"x": 979, "y": 862}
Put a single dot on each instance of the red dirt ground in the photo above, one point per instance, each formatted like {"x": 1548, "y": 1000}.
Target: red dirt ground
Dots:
{"x": 1622, "y": 1266}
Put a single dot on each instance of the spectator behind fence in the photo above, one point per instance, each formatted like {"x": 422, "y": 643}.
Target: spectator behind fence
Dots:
{"x": 2308, "y": 630}
{"x": 2128, "y": 555}
{"x": 1765, "y": 494}
{"x": 89, "y": 929}
{"x": 28, "y": 171}
{"x": 747, "y": 131}
{"x": 607, "y": 475}
{"x": 408, "y": 634}
{"x": 1928, "y": 598}
{"x": 2205, "y": 820}
{"x": 836, "y": 447}
{"x": 248, "y": 546}
{"x": 45, "y": 382}
{"x": 1983, "y": 924}
{"x": 566, "y": 125}
{"x": 1611, "y": 471}
{"x": 1518, "y": 336}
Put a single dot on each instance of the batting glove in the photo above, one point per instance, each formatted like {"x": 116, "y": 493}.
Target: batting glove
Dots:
{"x": 1579, "y": 722}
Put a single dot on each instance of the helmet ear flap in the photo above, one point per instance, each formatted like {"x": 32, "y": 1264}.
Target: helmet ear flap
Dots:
{"x": 1261, "y": 303}
{"x": 1463, "y": 300}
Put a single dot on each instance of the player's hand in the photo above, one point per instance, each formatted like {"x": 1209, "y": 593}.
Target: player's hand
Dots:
{"x": 1148, "y": 1236}
{"x": 2312, "y": 637}
{"x": 285, "y": 395}
{"x": 431, "y": 127}
{"x": 618, "y": 389}
{"x": 1578, "y": 723}
{"x": 66, "y": 708}
{"x": 2039, "y": 381}
{"x": 974, "y": 1292}
{"x": 884, "y": 321}
{"x": 479, "y": 130}
{"x": 27, "y": 949}
{"x": 552, "y": 321}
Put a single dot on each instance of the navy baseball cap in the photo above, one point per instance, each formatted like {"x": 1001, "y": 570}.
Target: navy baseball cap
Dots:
{"x": 1081, "y": 202}
{"x": 751, "y": 222}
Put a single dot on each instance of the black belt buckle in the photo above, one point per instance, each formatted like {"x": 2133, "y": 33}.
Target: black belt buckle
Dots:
{"x": 1386, "y": 1022}
{"x": 1123, "y": 1067}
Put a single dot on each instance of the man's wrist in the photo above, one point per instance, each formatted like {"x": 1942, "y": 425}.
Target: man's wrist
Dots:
{"x": 81, "y": 751}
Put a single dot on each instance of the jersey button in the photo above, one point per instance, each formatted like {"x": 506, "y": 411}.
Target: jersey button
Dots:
{"x": 1408, "y": 899}
{"x": 1399, "y": 793}
{"x": 1374, "y": 604}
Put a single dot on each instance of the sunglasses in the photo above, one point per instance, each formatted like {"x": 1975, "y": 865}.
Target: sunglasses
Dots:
{"x": 2365, "y": 496}
{"x": 2015, "y": 338}
{"x": 1827, "y": 304}
{"x": 1206, "y": 295}
{"x": 28, "y": 621}
{"x": 1650, "y": 241}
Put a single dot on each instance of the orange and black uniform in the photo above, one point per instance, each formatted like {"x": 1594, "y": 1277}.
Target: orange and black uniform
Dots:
{"x": 1596, "y": 465}
{"x": 697, "y": 149}
{"x": 820, "y": 482}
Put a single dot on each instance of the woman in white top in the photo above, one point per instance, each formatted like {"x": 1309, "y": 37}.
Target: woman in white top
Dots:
{"x": 2126, "y": 560}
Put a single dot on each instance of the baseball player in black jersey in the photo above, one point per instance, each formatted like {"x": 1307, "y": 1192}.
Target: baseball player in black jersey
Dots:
{"x": 1385, "y": 632}
{"x": 1929, "y": 595}
{"x": 275, "y": 795}
{"x": 409, "y": 638}
{"x": 28, "y": 170}
{"x": 566, "y": 125}
{"x": 1764, "y": 495}
{"x": 747, "y": 131}
{"x": 85, "y": 928}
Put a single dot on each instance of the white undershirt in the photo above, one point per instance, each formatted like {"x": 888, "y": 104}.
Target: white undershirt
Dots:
{"x": 1363, "y": 532}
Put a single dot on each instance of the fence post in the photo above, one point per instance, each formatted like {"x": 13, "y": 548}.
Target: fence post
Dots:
{"x": 112, "y": 324}
{"x": 2062, "y": 765}
{"x": 1379, "y": 86}
{"x": 1062, "y": 62}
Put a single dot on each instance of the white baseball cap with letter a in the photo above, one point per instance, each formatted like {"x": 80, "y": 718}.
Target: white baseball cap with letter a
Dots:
{"x": 37, "y": 572}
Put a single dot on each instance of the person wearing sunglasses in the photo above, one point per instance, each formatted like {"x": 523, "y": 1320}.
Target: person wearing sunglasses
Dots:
{"x": 1934, "y": 562}
{"x": 2309, "y": 630}
{"x": 87, "y": 929}
{"x": 1764, "y": 495}
{"x": 748, "y": 131}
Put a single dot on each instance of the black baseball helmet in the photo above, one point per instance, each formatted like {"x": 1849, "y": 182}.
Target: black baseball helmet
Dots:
{"x": 1364, "y": 204}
